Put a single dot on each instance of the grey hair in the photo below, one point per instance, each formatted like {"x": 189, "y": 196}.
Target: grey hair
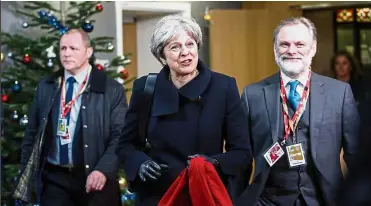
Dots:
{"x": 167, "y": 28}
{"x": 293, "y": 21}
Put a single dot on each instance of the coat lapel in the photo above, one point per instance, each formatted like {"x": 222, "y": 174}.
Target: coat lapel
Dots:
{"x": 166, "y": 96}
{"x": 317, "y": 104}
{"x": 272, "y": 102}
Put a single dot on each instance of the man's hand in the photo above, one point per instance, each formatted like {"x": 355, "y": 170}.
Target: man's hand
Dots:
{"x": 95, "y": 182}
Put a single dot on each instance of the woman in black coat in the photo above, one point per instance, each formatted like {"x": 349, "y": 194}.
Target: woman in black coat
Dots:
{"x": 195, "y": 112}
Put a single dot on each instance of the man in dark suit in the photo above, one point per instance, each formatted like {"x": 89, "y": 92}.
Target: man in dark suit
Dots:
{"x": 74, "y": 125}
{"x": 310, "y": 116}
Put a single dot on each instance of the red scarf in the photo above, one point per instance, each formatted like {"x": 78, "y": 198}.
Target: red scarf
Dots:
{"x": 199, "y": 185}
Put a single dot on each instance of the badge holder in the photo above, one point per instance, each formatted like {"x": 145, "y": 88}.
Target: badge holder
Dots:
{"x": 62, "y": 131}
{"x": 273, "y": 154}
{"x": 295, "y": 155}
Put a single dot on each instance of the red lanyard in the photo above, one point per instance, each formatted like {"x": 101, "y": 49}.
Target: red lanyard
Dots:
{"x": 66, "y": 108}
{"x": 291, "y": 124}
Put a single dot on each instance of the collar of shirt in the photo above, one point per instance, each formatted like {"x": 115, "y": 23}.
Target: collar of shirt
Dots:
{"x": 302, "y": 79}
{"x": 80, "y": 77}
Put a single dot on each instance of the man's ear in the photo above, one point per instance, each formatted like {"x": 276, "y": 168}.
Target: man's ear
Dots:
{"x": 313, "y": 49}
{"x": 89, "y": 52}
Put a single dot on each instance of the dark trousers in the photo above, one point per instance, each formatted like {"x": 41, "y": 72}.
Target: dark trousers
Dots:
{"x": 62, "y": 187}
{"x": 262, "y": 201}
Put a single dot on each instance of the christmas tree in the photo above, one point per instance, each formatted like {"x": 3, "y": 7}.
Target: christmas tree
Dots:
{"x": 24, "y": 61}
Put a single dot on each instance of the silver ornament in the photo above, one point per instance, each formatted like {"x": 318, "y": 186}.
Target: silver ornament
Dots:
{"x": 24, "y": 120}
{"x": 14, "y": 115}
{"x": 50, "y": 63}
{"x": 25, "y": 25}
{"x": 110, "y": 46}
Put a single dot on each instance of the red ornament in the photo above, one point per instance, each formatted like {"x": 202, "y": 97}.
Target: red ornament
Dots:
{"x": 99, "y": 7}
{"x": 99, "y": 67}
{"x": 4, "y": 98}
{"x": 124, "y": 74}
{"x": 26, "y": 58}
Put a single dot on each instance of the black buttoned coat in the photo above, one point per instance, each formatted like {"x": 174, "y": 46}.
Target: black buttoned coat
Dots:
{"x": 195, "y": 119}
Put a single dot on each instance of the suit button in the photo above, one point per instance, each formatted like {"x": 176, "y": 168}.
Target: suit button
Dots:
{"x": 87, "y": 166}
{"x": 85, "y": 126}
{"x": 86, "y": 145}
{"x": 83, "y": 107}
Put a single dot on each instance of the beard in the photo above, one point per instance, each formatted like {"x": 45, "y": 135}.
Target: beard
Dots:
{"x": 293, "y": 68}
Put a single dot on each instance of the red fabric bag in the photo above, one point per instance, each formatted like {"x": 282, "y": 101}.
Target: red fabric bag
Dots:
{"x": 199, "y": 185}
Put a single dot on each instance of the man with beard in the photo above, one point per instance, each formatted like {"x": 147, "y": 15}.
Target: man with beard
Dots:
{"x": 311, "y": 117}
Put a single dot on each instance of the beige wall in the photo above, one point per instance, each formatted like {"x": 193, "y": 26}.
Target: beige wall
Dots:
{"x": 130, "y": 45}
{"x": 323, "y": 20}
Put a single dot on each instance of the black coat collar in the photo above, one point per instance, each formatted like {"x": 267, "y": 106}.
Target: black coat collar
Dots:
{"x": 97, "y": 80}
{"x": 166, "y": 97}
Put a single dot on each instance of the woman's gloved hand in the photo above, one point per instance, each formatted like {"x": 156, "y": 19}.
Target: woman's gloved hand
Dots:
{"x": 150, "y": 170}
{"x": 212, "y": 160}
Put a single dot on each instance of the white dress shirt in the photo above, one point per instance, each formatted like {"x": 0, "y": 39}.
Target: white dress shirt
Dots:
{"x": 80, "y": 77}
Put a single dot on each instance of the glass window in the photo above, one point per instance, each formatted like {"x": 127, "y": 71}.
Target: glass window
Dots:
{"x": 345, "y": 40}
{"x": 363, "y": 15}
{"x": 353, "y": 32}
{"x": 365, "y": 40}
{"x": 344, "y": 15}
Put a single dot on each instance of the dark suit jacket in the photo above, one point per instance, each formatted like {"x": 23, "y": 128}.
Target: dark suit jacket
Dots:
{"x": 356, "y": 189}
{"x": 334, "y": 123}
{"x": 196, "y": 118}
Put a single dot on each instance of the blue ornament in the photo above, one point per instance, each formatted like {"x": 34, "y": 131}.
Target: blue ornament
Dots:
{"x": 42, "y": 13}
{"x": 131, "y": 196}
{"x": 87, "y": 26}
{"x": 52, "y": 20}
{"x": 15, "y": 179}
{"x": 10, "y": 54}
{"x": 57, "y": 25}
{"x": 16, "y": 87}
{"x": 124, "y": 198}
{"x": 63, "y": 30}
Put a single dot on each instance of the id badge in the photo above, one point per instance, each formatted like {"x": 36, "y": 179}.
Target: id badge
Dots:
{"x": 62, "y": 127}
{"x": 273, "y": 154}
{"x": 62, "y": 131}
{"x": 295, "y": 155}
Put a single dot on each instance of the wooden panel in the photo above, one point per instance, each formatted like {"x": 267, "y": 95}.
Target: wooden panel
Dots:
{"x": 130, "y": 46}
{"x": 323, "y": 20}
{"x": 241, "y": 42}
{"x": 230, "y": 52}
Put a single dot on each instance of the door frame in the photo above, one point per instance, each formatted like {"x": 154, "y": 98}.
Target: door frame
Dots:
{"x": 171, "y": 7}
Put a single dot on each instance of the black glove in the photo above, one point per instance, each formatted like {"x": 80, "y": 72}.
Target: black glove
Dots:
{"x": 150, "y": 170}
{"x": 212, "y": 160}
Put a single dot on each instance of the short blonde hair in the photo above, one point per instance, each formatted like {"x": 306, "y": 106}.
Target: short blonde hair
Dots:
{"x": 84, "y": 36}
